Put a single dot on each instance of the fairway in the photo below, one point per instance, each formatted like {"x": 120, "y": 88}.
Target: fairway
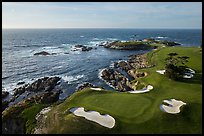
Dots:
{"x": 139, "y": 113}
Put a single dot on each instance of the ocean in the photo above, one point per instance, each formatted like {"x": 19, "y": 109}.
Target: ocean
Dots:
{"x": 75, "y": 67}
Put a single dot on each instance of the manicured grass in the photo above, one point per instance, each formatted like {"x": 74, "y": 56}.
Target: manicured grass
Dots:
{"x": 139, "y": 113}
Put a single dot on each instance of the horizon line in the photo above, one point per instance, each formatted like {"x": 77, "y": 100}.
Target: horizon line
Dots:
{"x": 100, "y": 28}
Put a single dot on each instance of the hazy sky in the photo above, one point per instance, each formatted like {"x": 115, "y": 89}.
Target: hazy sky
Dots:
{"x": 102, "y": 15}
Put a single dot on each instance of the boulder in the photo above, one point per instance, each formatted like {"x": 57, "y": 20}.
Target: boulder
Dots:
{"x": 19, "y": 91}
{"x": 82, "y": 48}
{"x": 49, "y": 97}
{"x": 42, "y": 53}
{"x": 20, "y": 83}
{"x": 106, "y": 73}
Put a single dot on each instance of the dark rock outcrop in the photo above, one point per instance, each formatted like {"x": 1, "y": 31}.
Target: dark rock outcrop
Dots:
{"x": 42, "y": 53}
{"x": 43, "y": 84}
{"x": 124, "y": 65}
{"x": 19, "y": 91}
{"x": 4, "y": 94}
{"x": 169, "y": 43}
{"x": 115, "y": 79}
{"x": 84, "y": 85}
{"x": 138, "y": 61}
{"x": 49, "y": 97}
{"x": 20, "y": 83}
{"x": 82, "y": 48}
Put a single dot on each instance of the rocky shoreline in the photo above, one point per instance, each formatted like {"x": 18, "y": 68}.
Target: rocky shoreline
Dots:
{"x": 122, "y": 77}
{"x": 45, "y": 93}
{"x": 121, "y": 82}
{"x": 38, "y": 87}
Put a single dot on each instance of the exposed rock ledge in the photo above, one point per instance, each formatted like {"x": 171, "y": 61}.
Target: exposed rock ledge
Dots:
{"x": 130, "y": 45}
{"x": 81, "y": 48}
{"x": 44, "y": 53}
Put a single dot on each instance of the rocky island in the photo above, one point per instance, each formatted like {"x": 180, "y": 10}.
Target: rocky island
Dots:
{"x": 144, "y": 44}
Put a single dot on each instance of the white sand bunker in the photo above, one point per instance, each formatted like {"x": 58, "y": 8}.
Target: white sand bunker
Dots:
{"x": 104, "y": 120}
{"x": 186, "y": 75}
{"x": 189, "y": 74}
{"x": 97, "y": 89}
{"x": 161, "y": 71}
{"x": 146, "y": 89}
{"x": 173, "y": 107}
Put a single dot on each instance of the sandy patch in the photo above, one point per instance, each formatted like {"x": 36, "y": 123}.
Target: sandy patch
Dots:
{"x": 104, "y": 120}
{"x": 161, "y": 71}
{"x": 146, "y": 89}
{"x": 97, "y": 89}
{"x": 189, "y": 74}
{"x": 191, "y": 71}
{"x": 173, "y": 106}
{"x": 186, "y": 75}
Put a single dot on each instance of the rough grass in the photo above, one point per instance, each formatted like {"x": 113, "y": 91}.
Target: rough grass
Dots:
{"x": 29, "y": 116}
{"x": 130, "y": 43}
{"x": 139, "y": 113}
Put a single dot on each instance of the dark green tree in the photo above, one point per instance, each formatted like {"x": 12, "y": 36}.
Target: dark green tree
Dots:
{"x": 175, "y": 66}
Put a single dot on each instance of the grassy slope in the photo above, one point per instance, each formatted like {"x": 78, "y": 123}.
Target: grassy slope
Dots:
{"x": 139, "y": 113}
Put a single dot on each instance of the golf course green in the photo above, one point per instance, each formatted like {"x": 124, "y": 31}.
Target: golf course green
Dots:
{"x": 138, "y": 113}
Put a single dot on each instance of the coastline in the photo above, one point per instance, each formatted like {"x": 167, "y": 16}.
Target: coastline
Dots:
{"x": 100, "y": 72}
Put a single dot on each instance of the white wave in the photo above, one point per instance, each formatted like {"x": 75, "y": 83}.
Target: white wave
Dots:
{"x": 112, "y": 39}
{"x": 70, "y": 79}
{"x": 81, "y": 36}
{"x": 96, "y": 39}
{"x": 66, "y": 44}
{"x": 57, "y": 67}
{"x": 112, "y": 65}
{"x": 11, "y": 86}
{"x": 96, "y": 43}
{"x": 161, "y": 37}
{"x": 49, "y": 47}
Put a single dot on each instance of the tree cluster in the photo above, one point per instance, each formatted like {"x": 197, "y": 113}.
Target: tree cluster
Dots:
{"x": 175, "y": 66}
